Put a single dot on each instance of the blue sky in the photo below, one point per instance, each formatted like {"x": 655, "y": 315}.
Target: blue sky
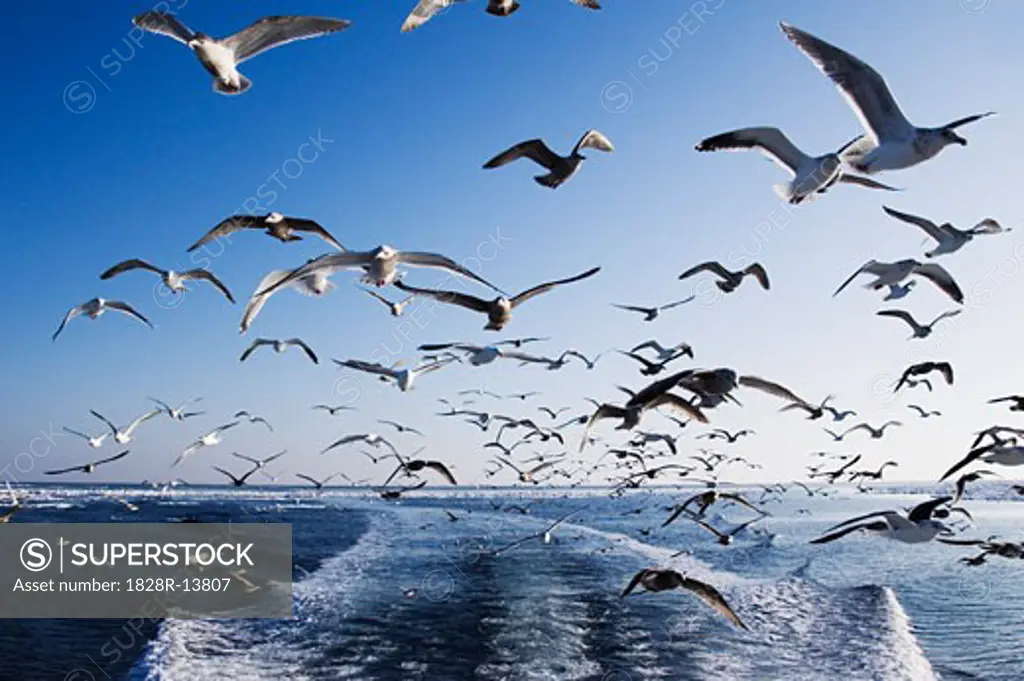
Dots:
{"x": 120, "y": 149}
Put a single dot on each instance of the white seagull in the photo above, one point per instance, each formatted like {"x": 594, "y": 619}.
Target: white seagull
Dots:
{"x": 887, "y": 273}
{"x": 95, "y": 308}
{"x": 916, "y": 527}
{"x": 560, "y": 168}
{"x": 95, "y": 442}
{"x": 277, "y": 225}
{"x": 395, "y": 308}
{"x": 221, "y": 56}
{"x": 812, "y": 175}
{"x": 178, "y": 413}
{"x": 424, "y": 11}
{"x": 279, "y": 347}
{"x": 892, "y": 142}
{"x": 175, "y": 281}
{"x": 209, "y": 440}
{"x": 403, "y": 378}
{"x": 949, "y": 238}
{"x": 124, "y": 435}
{"x": 380, "y": 266}
{"x": 920, "y": 330}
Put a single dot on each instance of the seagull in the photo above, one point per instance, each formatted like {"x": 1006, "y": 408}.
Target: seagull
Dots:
{"x": 480, "y": 355}
{"x": 730, "y": 280}
{"x": 403, "y": 378}
{"x": 498, "y": 310}
{"x": 872, "y": 475}
{"x": 1018, "y": 401}
{"x": 396, "y": 308}
{"x": 94, "y": 442}
{"x": 651, "y": 313}
{"x": 887, "y": 273}
{"x": 545, "y": 535}
{"x": 209, "y": 440}
{"x": 178, "y": 413}
{"x": 221, "y": 56}
{"x": 923, "y": 413}
{"x": 721, "y": 433}
{"x": 527, "y": 476}
{"x": 920, "y": 330}
{"x": 915, "y": 527}
{"x": 89, "y": 467}
{"x": 243, "y": 414}
{"x": 998, "y": 452}
{"x": 416, "y": 465}
{"x": 922, "y": 368}
{"x": 424, "y": 11}
{"x": 380, "y": 266}
{"x": 652, "y": 397}
{"x": 259, "y": 463}
{"x": 649, "y": 368}
{"x": 876, "y": 433}
{"x": 391, "y": 494}
{"x": 949, "y": 238}
{"x": 655, "y": 579}
{"x": 315, "y": 284}
{"x": 319, "y": 484}
{"x": 554, "y": 413}
{"x": 279, "y": 347}
{"x": 400, "y": 428}
{"x": 560, "y": 168}
{"x": 705, "y": 500}
{"x": 124, "y": 435}
{"x": 963, "y": 480}
{"x": 812, "y": 175}
{"x": 372, "y": 439}
{"x": 663, "y": 352}
{"x": 237, "y": 482}
{"x": 724, "y": 538}
{"x": 95, "y": 308}
{"x": 891, "y": 142}
{"x": 175, "y": 281}
{"x": 333, "y": 411}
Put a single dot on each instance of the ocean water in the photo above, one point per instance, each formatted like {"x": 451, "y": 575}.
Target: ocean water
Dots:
{"x": 397, "y": 590}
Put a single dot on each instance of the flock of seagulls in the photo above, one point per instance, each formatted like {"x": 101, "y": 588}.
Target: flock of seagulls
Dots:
{"x": 687, "y": 398}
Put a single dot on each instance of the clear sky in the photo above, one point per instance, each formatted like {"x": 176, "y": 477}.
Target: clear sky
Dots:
{"x": 117, "y": 149}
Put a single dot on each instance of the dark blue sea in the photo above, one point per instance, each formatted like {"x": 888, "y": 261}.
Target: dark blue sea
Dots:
{"x": 397, "y": 590}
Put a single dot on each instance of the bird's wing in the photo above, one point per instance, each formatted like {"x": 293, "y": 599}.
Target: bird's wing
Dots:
{"x": 678, "y": 404}
{"x": 61, "y": 471}
{"x": 200, "y": 273}
{"x": 368, "y": 367}
{"x": 829, "y": 537}
{"x": 923, "y": 511}
{"x": 739, "y": 500}
{"x": 78, "y": 433}
{"x": 771, "y": 142}
{"x": 142, "y": 419}
{"x": 677, "y": 303}
{"x": 314, "y": 227}
{"x": 771, "y": 388}
{"x": 423, "y": 12}
{"x": 967, "y": 119}
{"x": 605, "y": 411}
{"x": 252, "y": 348}
{"x": 126, "y": 265}
{"x": 101, "y": 417}
{"x": 257, "y": 300}
{"x": 164, "y": 24}
{"x": 863, "y": 181}
{"x": 308, "y": 350}
{"x": 535, "y": 150}
{"x": 709, "y": 266}
{"x": 433, "y": 366}
{"x": 864, "y": 88}
{"x": 633, "y": 583}
{"x": 929, "y": 227}
{"x": 128, "y": 310}
{"x": 866, "y": 267}
{"x": 221, "y": 470}
{"x": 594, "y": 139}
{"x": 451, "y": 297}
{"x": 72, "y": 313}
{"x": 245, "y": 458}
{"x": 325, "y": 265}
{"x": 946, "y": 369}
{"x": 632, "y": 308}
{"x": 271, "y": 32}
{"x": 307, "y": 478}
{"x": 344, "y": 441}
{"x": 544, "y": 288}
{"x": 229, "y": 225}
{"x": 900, "y": 314}
{"x": 438, "y": 261}
{"x": 712, "y": 597}
{"x": 757, "y": 271}
{"x": 443, "y": 470}
{"x": 111, "y": 458}
{"x": 941, "y": 277}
